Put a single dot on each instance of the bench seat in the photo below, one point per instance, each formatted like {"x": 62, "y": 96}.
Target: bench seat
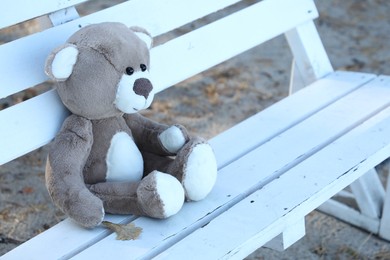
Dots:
{"x": 289, "y": 159}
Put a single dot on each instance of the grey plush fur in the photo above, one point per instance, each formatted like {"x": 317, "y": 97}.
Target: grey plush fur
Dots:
{"x": 77, "y": 164}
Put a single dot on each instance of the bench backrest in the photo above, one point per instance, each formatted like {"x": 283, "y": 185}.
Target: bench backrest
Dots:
{"x": 33, "y": 123}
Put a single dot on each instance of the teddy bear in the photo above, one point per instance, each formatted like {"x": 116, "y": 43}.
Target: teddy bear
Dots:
{"x": 107, "y": 157}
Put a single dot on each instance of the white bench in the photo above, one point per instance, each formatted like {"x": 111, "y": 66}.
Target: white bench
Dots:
{"x": 274, "y": 168}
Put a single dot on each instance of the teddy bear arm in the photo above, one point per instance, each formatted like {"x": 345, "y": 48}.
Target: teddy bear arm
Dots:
{"x": 157, "y": 138}
{"x": 64, "y": 172}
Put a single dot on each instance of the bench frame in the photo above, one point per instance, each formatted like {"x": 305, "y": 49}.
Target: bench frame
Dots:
{"x": 283, "y": 223}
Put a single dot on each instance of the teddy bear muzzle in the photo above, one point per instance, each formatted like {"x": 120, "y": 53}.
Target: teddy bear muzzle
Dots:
{"x": 134, "y": 93}
{"x": 143, "y": 87}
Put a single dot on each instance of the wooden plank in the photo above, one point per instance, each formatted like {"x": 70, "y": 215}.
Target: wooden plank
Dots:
{"x": 273, "y": 160}
{"x": 30, "y": 125}
{"x": 28, "y": 54}
{"x": 279, "y": 204}
{"x": 206, "y": 47}
{"x": 17, "y": 11}
{"x": 285, "y": 114}
{"x": 59, "y": 240}
{"x": 311, "y": 59}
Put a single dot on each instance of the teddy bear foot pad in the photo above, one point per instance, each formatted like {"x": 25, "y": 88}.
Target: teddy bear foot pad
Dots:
{"x": 200, "y": 172}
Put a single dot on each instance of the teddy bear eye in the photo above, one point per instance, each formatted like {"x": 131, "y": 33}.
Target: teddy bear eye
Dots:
{"x": 129, "y": 71}
{"x": 143, "y": 67}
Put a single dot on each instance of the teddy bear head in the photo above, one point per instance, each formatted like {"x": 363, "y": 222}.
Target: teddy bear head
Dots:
{"x": 103, "y": 70}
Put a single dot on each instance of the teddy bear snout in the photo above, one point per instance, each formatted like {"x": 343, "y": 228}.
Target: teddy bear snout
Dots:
{"x": 143, "y": 87}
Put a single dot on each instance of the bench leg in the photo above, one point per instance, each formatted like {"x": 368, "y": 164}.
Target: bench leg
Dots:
{"x": 296, "y": 80}
{"x": 289, "y": 236}
{"x": 373, "y": 202}
{"x": 369, "y": 194}
{"x": 384, "y": 229}
{"x": 310, "y": 56}
{"x": 349, "y": 215}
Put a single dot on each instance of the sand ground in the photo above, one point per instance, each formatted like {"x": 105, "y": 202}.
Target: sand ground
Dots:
{"x": 356, "y": 36}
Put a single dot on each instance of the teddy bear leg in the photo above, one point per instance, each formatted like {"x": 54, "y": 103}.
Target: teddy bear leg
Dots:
{"x": 158, "y": 195}
{"x": 117, "y": 197}
{"x": 195, "y": 167}
{"x": 157, "y": 162}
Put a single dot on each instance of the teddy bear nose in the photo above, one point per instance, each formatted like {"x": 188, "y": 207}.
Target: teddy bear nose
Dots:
{"x": 142, "y": 87}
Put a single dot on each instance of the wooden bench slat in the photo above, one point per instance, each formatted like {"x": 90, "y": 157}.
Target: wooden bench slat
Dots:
{"x": 25, "y": 58}
{"x": 29, "y": 54}
{"x": 18, "y": 11}
{"x": 63, "y": 240}
{"x": 212, "y": 44}
{"x": 342, "y": 116}
{"x": 271, "y": 209}
{"x": 322, "y": 93}
{"x": 36, "y": 121}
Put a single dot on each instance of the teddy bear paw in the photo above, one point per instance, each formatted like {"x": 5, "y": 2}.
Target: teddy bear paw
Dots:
{"x": 160, "y": 195}
{"x": 172, "y": 139}
{"x": 200, "y": 173}
{"x": 88, "y": 212}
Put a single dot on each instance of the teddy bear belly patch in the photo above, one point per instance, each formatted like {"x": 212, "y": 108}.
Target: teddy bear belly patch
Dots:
{"x": 124, "y": 160}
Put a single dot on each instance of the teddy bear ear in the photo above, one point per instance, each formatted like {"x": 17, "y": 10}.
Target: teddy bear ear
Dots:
{"x": 59, "y": 65}
{"x": 143, "y": 35}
